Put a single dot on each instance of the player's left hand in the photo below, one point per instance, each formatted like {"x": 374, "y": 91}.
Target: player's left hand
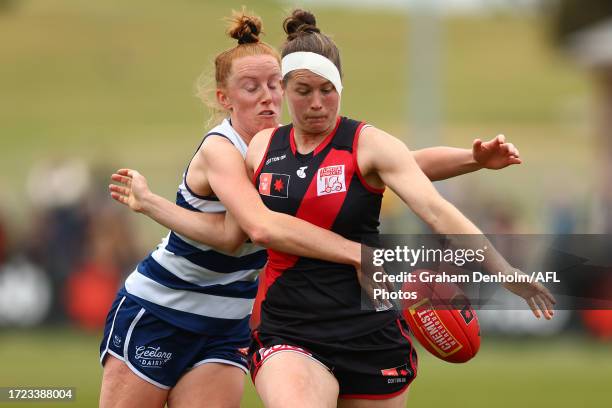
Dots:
{"x": 539, "y": 299}
{"x": 496, "y": 153}
{"x": 132, "y": 190}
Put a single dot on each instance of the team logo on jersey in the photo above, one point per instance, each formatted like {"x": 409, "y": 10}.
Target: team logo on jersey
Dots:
{"x": 301, "y": 173}
{"x": 274, "y": 185}
{"x": 152, "y": 357}
{"x": 331, "y": 180}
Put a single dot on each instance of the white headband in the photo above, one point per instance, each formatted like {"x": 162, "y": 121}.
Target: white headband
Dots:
{"x": 315, "y": 63}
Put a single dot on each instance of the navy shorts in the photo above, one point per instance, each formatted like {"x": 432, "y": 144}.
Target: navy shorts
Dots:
{"x": 161, "y": 353}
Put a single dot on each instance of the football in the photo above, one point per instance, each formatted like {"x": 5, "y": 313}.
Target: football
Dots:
{"x": 442, "y": 319}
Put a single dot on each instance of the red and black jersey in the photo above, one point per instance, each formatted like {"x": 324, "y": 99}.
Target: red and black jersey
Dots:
{"x": 305, "y": 297}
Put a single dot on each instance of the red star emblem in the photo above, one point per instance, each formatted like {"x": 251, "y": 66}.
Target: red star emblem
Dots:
{"x": 278, "y": 185}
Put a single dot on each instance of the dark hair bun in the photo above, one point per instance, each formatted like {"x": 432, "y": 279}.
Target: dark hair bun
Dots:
{"x": 244, "y": 28}
{"x": 300, "y": 22}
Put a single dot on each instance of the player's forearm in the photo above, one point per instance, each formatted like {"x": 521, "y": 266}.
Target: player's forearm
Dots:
{"x": 464, "y": 234}
{"x": 206, "y": 228}
{"x": 292, "y": 235}
{"x": 439, "y": 163}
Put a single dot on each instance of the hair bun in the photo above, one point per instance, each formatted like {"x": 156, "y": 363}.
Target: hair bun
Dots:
{"x": 244, "y": 28}
{"x": 300, "y": 22}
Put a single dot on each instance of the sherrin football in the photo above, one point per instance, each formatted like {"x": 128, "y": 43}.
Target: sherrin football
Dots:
{"x": 441, "y": 318}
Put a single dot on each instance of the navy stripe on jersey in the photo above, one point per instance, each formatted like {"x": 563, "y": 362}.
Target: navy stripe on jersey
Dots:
{"x": 213, "y": 260}
{"x": 181, "y": 202}
{"x": 239, "y": 289}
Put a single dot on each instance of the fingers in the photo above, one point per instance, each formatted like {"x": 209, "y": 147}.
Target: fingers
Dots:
{"x": 534, "y": 308}
{"x": 127, "y": 172}
{"x": 539, "y": 300}
{"x": 549, "y": 301}
{"x": 121, "y": 179}
{"x": 510, "y": 149}
{"x": 500, "y": 139}
{"x": 119, "y": 189}
{"x": 550, "y": 310}
{"x": 119, "y": 198}
{"x": 477, "y": 144}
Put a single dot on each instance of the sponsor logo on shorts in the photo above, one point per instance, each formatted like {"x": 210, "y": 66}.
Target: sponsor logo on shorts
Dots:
{"x": 116, "y": 341}
{"x": 269, "y": 351}
{"x": 151, "y": 357}
{"x": 331, "y": 180}
{"x": 399, "y": 371}
{"x": 244, "y": 351}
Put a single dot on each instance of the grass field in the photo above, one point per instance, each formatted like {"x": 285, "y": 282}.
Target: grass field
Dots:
{"x": 560, "y": 373}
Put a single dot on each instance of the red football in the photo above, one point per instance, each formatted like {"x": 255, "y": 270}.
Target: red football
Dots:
{"x": 442, "y": 320}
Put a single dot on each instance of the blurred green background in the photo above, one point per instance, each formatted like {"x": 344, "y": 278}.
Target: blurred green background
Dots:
{"x": 113, "y": 83}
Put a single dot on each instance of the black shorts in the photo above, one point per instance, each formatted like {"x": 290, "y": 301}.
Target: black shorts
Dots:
{"x": 378, "y": 365}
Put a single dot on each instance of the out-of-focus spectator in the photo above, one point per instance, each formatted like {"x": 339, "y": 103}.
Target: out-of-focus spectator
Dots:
{"x": 57, "y": 190}
{"x": 110, "y": 252}
{"x": 81, "y": 240}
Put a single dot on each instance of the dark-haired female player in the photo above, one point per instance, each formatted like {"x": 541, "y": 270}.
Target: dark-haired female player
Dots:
{"x": 315, "y": 343}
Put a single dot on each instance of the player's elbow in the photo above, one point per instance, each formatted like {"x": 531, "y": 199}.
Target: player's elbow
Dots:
{"x": 260, "y": 235}
{"x": 231, "y": 246}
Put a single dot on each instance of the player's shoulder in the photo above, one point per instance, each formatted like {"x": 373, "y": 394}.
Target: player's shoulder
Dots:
{"x": 262, "y": 137}
{"x": 221, "y": 133}
{"x": 260, "y": 141}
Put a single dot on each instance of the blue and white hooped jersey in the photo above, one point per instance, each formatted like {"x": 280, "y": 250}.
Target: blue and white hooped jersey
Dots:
{"x": 193, "y": 286}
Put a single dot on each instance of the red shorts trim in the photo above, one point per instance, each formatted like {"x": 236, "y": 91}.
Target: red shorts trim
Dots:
{"x": 264, "y": 353}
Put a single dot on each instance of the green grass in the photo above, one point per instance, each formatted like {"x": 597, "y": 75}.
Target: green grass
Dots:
{"x": 562, "y": 372}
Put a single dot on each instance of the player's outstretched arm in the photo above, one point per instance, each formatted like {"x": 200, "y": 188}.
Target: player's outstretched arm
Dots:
{"x": 439, "y": 163}
{"x": 389, "y": 159}
{"x": 213, "y": 229}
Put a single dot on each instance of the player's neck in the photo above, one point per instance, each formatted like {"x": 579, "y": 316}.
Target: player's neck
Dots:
{"x": 306, "y": 142}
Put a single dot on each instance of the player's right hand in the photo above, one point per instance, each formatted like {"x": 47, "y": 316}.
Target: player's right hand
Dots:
{"x": 132, "y": 189}
{"x": 365, "y": 276}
